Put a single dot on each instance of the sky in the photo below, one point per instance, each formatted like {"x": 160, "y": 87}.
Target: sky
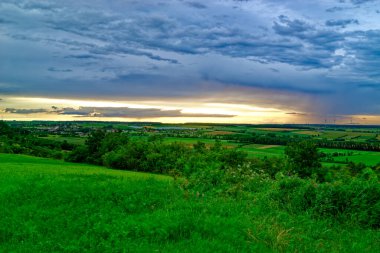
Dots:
{"x": 219, "y": 61}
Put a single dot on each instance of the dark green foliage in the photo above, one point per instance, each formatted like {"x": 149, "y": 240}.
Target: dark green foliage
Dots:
{"x": 18, "y": 141}
{"x": 67, "y": 146}
{"x": 112, "y": 141}
{"x": 94, "y": 145}
{"x": 79, "y": 154}
{"x": 303, "y": 158}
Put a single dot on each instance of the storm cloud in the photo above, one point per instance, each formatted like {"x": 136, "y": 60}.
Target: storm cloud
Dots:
{"x": 313, "y": 57}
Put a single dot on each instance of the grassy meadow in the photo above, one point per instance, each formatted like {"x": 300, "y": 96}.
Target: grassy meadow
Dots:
{"x": 52, "y": 206}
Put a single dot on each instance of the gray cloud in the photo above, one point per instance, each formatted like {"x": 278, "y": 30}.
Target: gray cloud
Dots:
{"x": 24, "y": 111}
{"x": 52, "y": 69}
{"x": 341, "y": 22}
{"x": 197, "y": 5}
{"x": 107, "y": 112}
{"x": 359, "y": 2}
{"x": 126, "y": 112}
{"x": 296, "y": 113}
{"x": 334, "y": 9}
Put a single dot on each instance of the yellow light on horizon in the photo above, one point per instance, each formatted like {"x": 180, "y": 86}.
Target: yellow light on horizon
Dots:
{"x": 235, "y": 113}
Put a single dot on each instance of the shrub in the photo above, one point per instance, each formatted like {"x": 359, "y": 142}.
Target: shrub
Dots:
{"x": 303, "y": 158}
{"x": 357, "y": 200}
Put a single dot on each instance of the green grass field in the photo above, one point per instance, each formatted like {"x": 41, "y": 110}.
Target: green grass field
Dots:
{"x": 53, "y": 206}
{"x": 369, "y": 158}
{"x": 259, "y": 150}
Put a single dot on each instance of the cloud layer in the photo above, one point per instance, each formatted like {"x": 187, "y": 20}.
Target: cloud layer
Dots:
{"x": 114, "y": 112}
{"x": 320, "y": 57}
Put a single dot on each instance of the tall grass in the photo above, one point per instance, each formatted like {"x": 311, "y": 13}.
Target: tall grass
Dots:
{"x": 52, "y": 206}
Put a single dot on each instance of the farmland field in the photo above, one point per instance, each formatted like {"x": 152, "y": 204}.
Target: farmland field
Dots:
{"x": 192, "y": 141}
{"x": 369, "y": 158}
{"x": 190, "y": 134}
{"x": 53, "y": 206}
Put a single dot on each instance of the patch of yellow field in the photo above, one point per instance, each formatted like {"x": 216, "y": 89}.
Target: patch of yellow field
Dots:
{"x": 309, "y": 132}
{"x": 220, "y": 133}
{"x": 267, "y": 146}
{"x": 277, "y": 129}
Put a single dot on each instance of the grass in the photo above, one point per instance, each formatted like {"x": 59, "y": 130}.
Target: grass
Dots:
{"x": 369, "y": 158}
{"x": 53, "y": 206}
{"x": 258, "y": 150}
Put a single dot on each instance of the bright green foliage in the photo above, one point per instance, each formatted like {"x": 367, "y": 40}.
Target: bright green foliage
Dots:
{"x": 52, "y": 206}
{"x": 356, "y": 201}
{"x": 217, "y": 201}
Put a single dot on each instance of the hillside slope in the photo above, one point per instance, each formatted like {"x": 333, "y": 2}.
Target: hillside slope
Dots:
{"x": 53, "y": 206}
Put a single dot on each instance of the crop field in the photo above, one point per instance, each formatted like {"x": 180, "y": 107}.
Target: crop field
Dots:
{"x": 331, "y": 135}
{"x": 309, "y": 132}
{"x": 53, "y": 206}
{"x": 258, "y": 150}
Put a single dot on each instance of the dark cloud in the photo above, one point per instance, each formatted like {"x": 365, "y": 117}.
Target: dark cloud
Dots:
{"x": 24, "y": 111}
{"x": 342, "y": 22}
{"x": 83, "y": 56}
{"x": 359, "y": 2}
{"x": 4, "y": 21}
{"x": 52, "y": 69}
{"x": 286, "y": 26}
{"x": 322, "y": 43}
{"x": 334, "y": 9}
{"x": 197, "y": 5}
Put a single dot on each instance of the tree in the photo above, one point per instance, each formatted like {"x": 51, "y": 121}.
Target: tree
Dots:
{"x": 93, "y": 144}
{"x": 303, "y": 158}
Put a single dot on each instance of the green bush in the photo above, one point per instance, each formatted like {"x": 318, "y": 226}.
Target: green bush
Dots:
{"x": 303, "y": 158}
{"x": 357, "y": 201}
